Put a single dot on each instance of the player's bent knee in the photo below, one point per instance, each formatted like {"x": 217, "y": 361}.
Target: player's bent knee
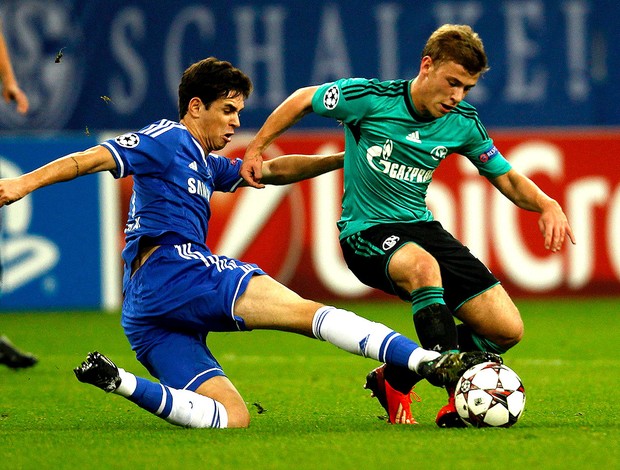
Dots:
{"x": 238, "y": 417}
{"x": 237, "y": 411}
{"x": 412, "y": 269}
{"x": 511, "y": 335}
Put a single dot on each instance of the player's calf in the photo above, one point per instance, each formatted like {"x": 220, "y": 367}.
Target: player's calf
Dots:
{"x": 180, "y": 407}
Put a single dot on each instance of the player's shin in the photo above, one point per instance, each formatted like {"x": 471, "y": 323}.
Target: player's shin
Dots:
{"x": 180, "y": 407}
{"x": 360, "y": 336}
{"x": 436, "y": 328}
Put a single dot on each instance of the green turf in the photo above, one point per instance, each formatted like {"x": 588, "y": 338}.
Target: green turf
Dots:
{"x": 316, "y": 415}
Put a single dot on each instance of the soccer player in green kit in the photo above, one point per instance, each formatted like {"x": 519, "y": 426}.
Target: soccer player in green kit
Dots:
{"x": 396, "y": 134}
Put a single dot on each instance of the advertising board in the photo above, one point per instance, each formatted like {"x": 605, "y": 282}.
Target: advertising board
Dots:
{"x": 59, "y": 245}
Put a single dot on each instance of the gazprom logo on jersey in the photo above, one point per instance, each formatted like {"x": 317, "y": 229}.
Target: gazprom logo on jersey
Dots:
{"x": 378, "y": 159}
{"x": 488, "y": 155}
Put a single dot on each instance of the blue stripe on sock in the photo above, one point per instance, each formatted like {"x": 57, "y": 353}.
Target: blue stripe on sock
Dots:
{"x": 215, "y": 423}
{"x": 148, "y": 395}
{"x": 168, "y": 406}
{"x": 319, "y": 322}
{"x": 399, "y": 350}
{"x": 385, "y": 346}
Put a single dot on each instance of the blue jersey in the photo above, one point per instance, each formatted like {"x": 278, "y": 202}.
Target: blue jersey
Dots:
{"x": 173, "y": 181}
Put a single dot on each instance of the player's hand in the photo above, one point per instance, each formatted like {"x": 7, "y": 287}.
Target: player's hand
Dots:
{"x": 10, "y": 191}
{"x": 252, "y": 170}
{"x": 554, "y": 227}
{"x": 14, "y": 93}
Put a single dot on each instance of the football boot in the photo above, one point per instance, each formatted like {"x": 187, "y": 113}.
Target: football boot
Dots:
{"x": 99, "y": 371}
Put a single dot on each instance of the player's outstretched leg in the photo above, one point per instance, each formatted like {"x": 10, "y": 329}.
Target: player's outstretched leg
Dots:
{"x": 363, "y": 337}
{"x": 404, "y": 357}
{"x": 12, "y": 357}
{"x": 180, "y": 407}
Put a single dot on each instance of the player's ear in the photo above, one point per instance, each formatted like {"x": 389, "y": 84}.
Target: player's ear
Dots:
{"x": 426, "y": 64}
{"x": 193, "y": 107}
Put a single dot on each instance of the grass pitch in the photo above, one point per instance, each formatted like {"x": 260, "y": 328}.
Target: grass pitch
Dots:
{"x": 308, "y": 408}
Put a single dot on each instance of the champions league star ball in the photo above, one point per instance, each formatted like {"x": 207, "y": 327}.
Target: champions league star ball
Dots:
{"x": 490, "y": 395}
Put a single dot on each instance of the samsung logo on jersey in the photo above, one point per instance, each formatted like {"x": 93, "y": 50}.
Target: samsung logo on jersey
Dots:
{"x": 489, "y": 154}
{"x": 195, "y": 186}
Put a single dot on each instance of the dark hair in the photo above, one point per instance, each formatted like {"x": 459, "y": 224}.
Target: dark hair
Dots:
{"x": 210, "y": 79}
{"x": 459, "y": 44}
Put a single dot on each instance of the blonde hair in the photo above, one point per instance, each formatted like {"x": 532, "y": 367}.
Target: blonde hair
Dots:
{"x": 457, "y": 43}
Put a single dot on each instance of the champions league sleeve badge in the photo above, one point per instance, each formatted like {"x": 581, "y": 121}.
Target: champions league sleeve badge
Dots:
{"x": 128, "y": 141}
{"x": 331, "y": 97}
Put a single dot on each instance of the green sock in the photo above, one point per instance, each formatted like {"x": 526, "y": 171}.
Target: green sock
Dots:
{"x": 433, "y": 320}
{"x": 425, "y": 296}
{"x": 487, "y": 345}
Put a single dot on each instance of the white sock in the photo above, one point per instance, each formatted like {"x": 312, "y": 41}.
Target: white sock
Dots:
{"x": 128, "y": 383}
{"x": 360, "y": 336}
{"x": 421, "y": 355}
{"x": 349, "y": 331}
{"x": 181, "y": 407}
{"x": 192, "y": 410}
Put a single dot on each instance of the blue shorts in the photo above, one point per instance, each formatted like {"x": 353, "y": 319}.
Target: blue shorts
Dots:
{"x": 173, "y": 301}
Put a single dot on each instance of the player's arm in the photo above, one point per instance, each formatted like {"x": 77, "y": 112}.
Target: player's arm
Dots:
{"x": 10, "y": 89}
{"x": 295, "y": 107}
{"x": 292, "y": 168}
{"x": 524, "y": 193}
{"x": 65, "y": 168}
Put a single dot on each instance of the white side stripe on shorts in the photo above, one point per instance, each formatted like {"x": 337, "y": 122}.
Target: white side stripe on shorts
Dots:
{"x": 185, "y": 251}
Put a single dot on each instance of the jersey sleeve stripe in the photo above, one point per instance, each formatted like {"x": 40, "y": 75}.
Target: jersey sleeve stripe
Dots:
{"x": 117, "y": 158}
{"x": 372, "y": 92}
{"x": 165, "y": 126}
{"x": 354, "y": 91}
{"x": 234, "y": 187}
{"x": 472, "y": 114}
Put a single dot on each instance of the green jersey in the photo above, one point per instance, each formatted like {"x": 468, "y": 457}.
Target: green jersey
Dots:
{"x": 391, "y": 152}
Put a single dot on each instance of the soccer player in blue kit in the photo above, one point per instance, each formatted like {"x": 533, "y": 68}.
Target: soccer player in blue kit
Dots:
{"x": 176, "y": 290}
{"x": 397, "y": 132}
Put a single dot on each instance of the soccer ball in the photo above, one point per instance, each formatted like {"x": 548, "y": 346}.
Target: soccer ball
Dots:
{"x": 490, "y": 395}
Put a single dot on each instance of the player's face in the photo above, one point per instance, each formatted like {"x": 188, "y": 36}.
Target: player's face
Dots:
{"x": 442, "y": 86}
{"x": 219, "y": 121}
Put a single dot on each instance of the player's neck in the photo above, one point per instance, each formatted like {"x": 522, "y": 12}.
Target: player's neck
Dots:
{"x": 192, "y": 129}
{"x": 416, "y": 94}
